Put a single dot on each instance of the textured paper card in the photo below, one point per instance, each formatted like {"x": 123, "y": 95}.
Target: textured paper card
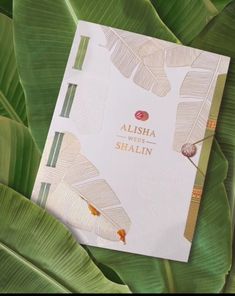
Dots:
{"x": 127, "y": 151}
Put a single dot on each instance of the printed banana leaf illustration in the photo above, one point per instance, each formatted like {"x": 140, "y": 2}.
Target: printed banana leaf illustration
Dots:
{"x": 140, "y": 57}
{"x": 181, "y": 56}
{"x": 197, "y": 91}
{"x": 90, "y": 203}
{"x": 93, "y": 206}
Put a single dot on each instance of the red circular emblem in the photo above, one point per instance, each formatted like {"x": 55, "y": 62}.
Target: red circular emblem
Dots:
{"x": 142, "y": 115}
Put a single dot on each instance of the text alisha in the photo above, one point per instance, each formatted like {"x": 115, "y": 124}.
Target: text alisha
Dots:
{"x": 131, "y": 147}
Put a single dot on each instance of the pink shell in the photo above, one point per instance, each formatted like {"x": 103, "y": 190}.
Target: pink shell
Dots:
{"x": 189, "y": 150}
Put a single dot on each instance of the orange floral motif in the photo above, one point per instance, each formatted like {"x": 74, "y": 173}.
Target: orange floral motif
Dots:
{"x": 122, "y": 235}
{"x": 211, "y": 124}
{"x": 197, "y": 194}
{"x": 93, "y": 210}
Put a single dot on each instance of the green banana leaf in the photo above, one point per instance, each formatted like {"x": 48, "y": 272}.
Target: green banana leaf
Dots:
{"x": 44, "y": 31}
{"x": 43, "y": 35}
{"x": 38, "y": 254}
{"x": 210, "y": 261}
{"x": 230, "y": 282}
{"x": 220, "y": 4}
{"x": 19, "y": 156}
{"x": 6, "y": 7}
{"x": 186, "y": 18}
{"x": 12, "y": 101}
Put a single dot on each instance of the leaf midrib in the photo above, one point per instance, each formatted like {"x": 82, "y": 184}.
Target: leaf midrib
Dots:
{"x": 33, "y": 267}
{"x": 71, "y": 11}
{"x": 155, "y": 77}
{"x": 169, "y": 276}
{"x": 9, "y": 109}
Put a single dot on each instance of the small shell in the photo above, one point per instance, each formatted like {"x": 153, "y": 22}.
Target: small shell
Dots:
{"x": 189, "y": 150}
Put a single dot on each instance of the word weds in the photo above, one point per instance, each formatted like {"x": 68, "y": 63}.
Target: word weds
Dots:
{"x": 139, "y": 134}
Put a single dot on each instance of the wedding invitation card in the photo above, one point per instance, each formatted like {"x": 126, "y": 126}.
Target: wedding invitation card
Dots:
{"x": 127, "y": 151}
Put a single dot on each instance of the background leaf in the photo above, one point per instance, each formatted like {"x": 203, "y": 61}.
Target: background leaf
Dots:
{"x": 40, "y": 254}
{"x": 44, "y": 31}
{"x": 43, "y": 36}
{"x": 19, "y": 157}
{"x": 220, "y": 4}
{"x": 230, "y": 282}
{"x": 12, "y": 101}
{"x": 6, "y": 7}
{"x": 186, "y": 18}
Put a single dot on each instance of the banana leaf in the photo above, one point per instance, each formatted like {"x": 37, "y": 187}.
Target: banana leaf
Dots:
{"x": 229, "y": 286}
{"x": 44, "y": 32}
{"x": 43, "y": 36}
{"x": 19, "y": 156}
{"x": 12, "y": 101}
{"x": 38, "y": 254}
{"x": 6, "y": 7}
{"x": 186, "y": 18}
{"x": 220, "y": 4}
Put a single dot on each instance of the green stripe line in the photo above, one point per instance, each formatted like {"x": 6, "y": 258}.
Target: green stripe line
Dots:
{"x": 54, "y": 143}
{"x": 40, "y": 195}
{"x": 45, "y": 195}
{"x": 81, "y": 52}
{"x": 43, "y": 192}
{"x": 68, "y": 100}
{"x": 67, "y": 96}
{"x": 55, "y": 149}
